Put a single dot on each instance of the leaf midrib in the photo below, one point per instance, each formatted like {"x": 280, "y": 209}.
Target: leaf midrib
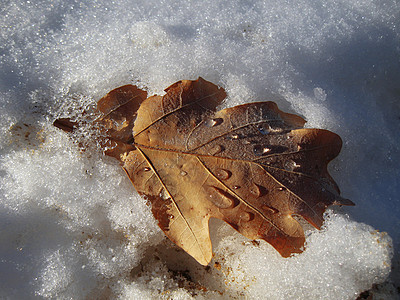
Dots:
{"x": 172, "y": 199}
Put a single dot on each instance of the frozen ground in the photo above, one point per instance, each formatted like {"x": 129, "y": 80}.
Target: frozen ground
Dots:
{"x": 71, "y": 224}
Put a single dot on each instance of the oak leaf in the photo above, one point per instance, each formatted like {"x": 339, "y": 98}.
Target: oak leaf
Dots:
{"x": 252, "y": 166}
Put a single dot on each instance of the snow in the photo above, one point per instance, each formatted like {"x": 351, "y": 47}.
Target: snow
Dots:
{"x": 72, "y": 225}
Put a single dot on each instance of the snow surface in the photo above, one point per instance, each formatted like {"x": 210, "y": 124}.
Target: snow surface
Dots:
{"x": 71, "y": 224}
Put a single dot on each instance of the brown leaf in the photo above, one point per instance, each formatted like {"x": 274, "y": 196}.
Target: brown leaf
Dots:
{"x": 118, "y": 111}
{"x": 253, "y": 166}
{"x": 116, "y": 114}
{"x": 65, "y": 124}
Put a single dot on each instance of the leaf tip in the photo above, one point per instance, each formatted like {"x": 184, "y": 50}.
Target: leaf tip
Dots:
{"x": 343, "y": 201}
{"x": 65, "y": 124}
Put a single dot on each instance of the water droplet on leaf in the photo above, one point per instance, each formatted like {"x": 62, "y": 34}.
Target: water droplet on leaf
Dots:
{"x": 266, "y": 150}
{"x": 258, "y": 190}
{"x": 269, "y": 208}
{"x": 214, "y": 122}
{"x": 223, "y": 174}
{"x": 216, "y": 149}
{"x": 291, "y": 165}
{"x": 246, "y": 216}
{"x": 257, "y": 150}
{"x": 263, "y": 130}
{"x": 260, "y": 150}
{"x": 221, "y": 198}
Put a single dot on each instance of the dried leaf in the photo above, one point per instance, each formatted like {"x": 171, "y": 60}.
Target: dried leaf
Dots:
{"x": 118, "y": 111}
{"x": 116, "y": 115}
{"x": 253, "y": 166}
